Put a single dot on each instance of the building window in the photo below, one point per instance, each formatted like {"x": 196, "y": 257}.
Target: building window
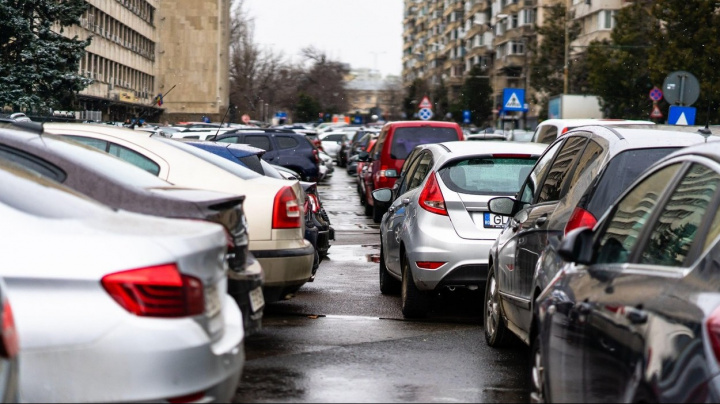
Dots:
{"x": 606, "y": 20}
{"x": 517, "y": 47}
{"x": 527, "y": 16}
{"x": 514, "y": 20}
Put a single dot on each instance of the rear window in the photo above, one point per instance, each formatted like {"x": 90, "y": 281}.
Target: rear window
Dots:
{"x": 253, "y": 163}
{"x": 487, "y": 175}
{"x": 405, "y": 139}
{"x": 333, "y": 138}
{"x": 621, "y": 171}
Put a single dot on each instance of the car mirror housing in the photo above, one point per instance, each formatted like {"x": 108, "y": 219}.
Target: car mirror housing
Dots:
{"x": 382, "y": 195}
{"x": 502, "y": 205}
{"x": 577, "y": 246}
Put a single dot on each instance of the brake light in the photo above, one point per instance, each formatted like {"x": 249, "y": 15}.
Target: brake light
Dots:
{"x": 431, "y": 198}
{"x": 156, "y": 291}
{"x": 10, "y": 344}
{"x": 314, "y": 203}
{"x": 316, "y": 155}
{"x": 429, "y": 264}
{"x": 713, "y": 330}
{"x": 580, "y": 218}
{"x": 286, "y": 210}
{"x": 564, "y": 131}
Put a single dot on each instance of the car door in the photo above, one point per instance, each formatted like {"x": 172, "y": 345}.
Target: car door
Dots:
{"x": 263, "y": 141}
{"x": 287, "y": 150}
{"x": 129, "y": 152}
{"x": 397, "y": 211}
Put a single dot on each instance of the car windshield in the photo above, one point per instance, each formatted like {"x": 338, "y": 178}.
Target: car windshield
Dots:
{"x": 487, "y": 175}
{"x": 235, "y": 168}
{"x": 405, "y": 139}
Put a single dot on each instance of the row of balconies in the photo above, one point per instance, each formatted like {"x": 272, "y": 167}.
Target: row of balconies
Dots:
{"x": 140, "y": 12}
{"x": 105, "y": 33}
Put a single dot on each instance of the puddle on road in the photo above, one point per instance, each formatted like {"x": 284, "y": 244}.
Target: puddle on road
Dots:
{"x": 354, "y": 252}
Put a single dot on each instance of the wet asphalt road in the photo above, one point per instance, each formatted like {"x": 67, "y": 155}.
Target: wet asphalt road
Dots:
{"x": 339, "y": 340}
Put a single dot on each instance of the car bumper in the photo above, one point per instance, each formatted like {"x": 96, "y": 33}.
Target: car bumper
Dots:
{"x": 285, "y": 269}
{"x": 142, "y": 359}
{"x": 244, "y": 288}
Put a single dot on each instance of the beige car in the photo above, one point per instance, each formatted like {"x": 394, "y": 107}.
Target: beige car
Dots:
{"x": 273, "y": 207}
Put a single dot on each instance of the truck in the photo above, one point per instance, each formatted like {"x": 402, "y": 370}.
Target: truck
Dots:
{"x": 574, "y": 106}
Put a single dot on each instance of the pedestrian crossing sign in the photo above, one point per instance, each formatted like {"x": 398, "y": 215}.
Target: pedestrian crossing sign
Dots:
{"x": 514, "y": 99}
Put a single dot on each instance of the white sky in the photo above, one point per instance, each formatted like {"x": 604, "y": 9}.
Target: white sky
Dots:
{"x": 363, "y": 33}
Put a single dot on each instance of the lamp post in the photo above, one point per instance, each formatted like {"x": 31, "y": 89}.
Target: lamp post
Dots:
{"x": 566, "y": 67}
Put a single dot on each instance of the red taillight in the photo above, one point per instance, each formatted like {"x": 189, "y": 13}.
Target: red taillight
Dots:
{"x": 431, "y": 198}
{"x": 10, "y": 344}
{"x": 157, "y": 291}
{"x": 713, "y": 330}
{"x": 564, "y": 131}
{"x": 429, "y": 264}
{"x": 316, "y": 155}
{"x": 580, "y": 218}
{"x": 314, "y": 203}
{"x": 190, "y": 398}
{"x": 286, "y": 210}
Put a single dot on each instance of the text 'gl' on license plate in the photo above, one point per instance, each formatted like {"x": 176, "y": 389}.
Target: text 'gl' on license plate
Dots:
{"x": 257, "y": 300}
{"x": 494, "y": 221}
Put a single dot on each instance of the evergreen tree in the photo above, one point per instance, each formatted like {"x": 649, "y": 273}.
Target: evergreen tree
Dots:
{"x": 306, "y": 109}
{"x": 476, "y": 96}
{"x": 618, "y": 70}
{"x": 38, "y": 66}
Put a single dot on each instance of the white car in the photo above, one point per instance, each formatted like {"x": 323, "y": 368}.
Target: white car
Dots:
{"x": 550, "y": 129}
{"x": 115, "y": 306}
{"x": 332, "y": 142}
{"x": 274, "y": 207}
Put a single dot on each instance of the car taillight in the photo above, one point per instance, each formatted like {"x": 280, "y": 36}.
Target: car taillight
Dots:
{"x": 316, "y": 155}
{"x": 156, "y": 291}
{"x": 286, "y": 210}
{"x": 713, "y": 330}
{"x": 580, "y": 218}
{"x": 10, "y": 344}
{"x": 431, "y": 198}
{"x": 429, "y": 264}
{"x": 314, "y": 203}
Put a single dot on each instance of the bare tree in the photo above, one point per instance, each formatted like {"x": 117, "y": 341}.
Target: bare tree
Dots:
{"x": 325, "y": 81}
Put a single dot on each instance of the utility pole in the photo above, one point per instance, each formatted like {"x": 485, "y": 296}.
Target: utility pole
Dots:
{"x": 566, "y": 67}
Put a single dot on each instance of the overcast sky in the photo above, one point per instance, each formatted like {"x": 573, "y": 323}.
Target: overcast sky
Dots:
{"x": 363, "y": 33}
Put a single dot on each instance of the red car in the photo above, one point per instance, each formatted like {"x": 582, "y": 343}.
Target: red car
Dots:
{"x": 394, "y": 144}
{"x": 363, "y": 177}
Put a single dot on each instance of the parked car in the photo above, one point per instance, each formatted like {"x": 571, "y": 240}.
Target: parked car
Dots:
{"x": 120, "y": 185}
{"x": 335, "y": 144}
{"x": 486, "y": 136}
{"x": 9, "y": 350}
{"x": 634, "y": 313}
{"x": 357, "y": 146}
{"x": 550, "y": 129}
{"x": 117, "y": 306}
{"x": 396, "y": 140}
{"x": 571, "y": 185}
{"x": 437, "y": 232}
{"x": 283, "y": 147}
{"x": 245, "y": 155}
{"x": 364, "y": 176}
{"x": 272, "y": 207}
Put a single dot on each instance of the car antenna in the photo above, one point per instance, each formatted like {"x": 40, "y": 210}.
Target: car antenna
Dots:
{"x": 706, "y": 130}
{"x": 223, "y": 120}
{"x": 137, "y": 120}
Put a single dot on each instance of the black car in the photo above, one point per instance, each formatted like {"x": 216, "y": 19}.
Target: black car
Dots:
{"x": 634, "y": 314}
{"x": 360, "y": 141}
{"x": 571, "y": 185}
{"x": 282, "y": 147}
{"x": 120, "y": 185}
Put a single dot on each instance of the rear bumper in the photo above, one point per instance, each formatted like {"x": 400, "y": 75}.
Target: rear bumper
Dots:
{"x": 286, "y": 267}
{"x": 239, "y": 287}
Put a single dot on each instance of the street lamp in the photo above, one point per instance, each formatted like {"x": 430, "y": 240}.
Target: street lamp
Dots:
{"x": 567, "y": 47}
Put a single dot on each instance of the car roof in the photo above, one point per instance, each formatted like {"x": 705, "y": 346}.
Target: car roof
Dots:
{"x": 601, "y": 121}
{"x": 410, "y": 124}
{"x": 629, "y": 137}
{"x": 459, "y": 148}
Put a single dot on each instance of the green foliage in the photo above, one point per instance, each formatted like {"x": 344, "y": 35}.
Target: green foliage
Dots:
{"x": 38, "y": 66}
{"x": 417, "y": 90}
{"x": 476, "y": 96}
{"x": 306, "y": 109}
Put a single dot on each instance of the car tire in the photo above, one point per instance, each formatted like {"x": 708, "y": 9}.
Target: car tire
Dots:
{"x": 538, "y": 382}
{"x": 415, "y": 302}
{"x": 368, "y": 208}
{"x": 377, "y": 214}
{"x": 388, "y": 284}
{"x": 496, "y": 332}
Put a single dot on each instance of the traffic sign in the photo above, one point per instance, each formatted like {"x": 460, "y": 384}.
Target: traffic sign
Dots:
{"x": 425, "y": 114}
{"x": 513, "y": 99}
{"x": 656, "y": 113}
{"x": 681, "y": 88}
{"x": 466, "y": 116}
{"x": 681, "y": 115}
{"x": 425, "y": 103}
{"x": 656, "y": 94}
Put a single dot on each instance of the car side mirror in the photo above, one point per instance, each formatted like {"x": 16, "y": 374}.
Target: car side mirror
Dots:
{"x": 503, "y": 206}
{"x": 364, "y": 156}
{"x": 577, "y": 246}
{"x": 382, "y": 196}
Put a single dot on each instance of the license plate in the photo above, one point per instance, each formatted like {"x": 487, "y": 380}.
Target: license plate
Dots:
{"x": 212, "y": 301}
{"x": 495, "y": 221}
{"x": 257, "y": 300}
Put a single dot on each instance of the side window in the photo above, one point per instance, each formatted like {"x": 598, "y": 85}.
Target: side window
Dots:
{"x": 674, "y": 233}
{"x": 547, "y": 134}
{"x": 96, "y": 143}
{"x": 555, "y": 183}
{"x": 231, "y": 139}
{"x": 408, "y": 170}
{"x": 629, "y": 217}
{"x": 259, "y": 141}
{"x": 379, "y": 145}
{"x": 588, "y": 160}
{"x": 527, "y": 195}
{"x": 33, "y": 163}
{"x": 421, "y": 172}
{"x": 134, "y": 158}
{"x": 286, "y": 142}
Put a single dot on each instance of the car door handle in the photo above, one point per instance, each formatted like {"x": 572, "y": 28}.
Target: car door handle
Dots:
{"x": 405, "y": 201}
{"x": 391, "y": 209}
{"x": 539, "y": 222}
{"x": 636, "y": 316}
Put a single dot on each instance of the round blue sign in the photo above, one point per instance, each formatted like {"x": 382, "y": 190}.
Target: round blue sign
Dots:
{"x": 656, "y": 94}
{"x": 425, "y": 114}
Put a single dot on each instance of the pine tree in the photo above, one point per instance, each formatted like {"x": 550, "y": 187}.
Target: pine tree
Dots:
{"x": 39, "y": 66}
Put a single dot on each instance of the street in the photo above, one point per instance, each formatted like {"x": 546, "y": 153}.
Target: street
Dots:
{"x": 340, "y": 340}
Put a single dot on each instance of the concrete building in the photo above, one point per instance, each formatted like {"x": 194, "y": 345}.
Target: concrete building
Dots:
{"x": 444, "y": 39}
{"x": 142, "y": 48}
{"x": 371, "y": 94}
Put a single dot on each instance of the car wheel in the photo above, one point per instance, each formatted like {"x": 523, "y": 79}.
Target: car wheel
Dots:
{"x": 388, "y": 284}
{"x": 415, "y": 302}
{"x": 377, "y": 214}
{"x": 496, "y": 333}
{"x": 368, "y": 207}
{"x": 537, "y": 373}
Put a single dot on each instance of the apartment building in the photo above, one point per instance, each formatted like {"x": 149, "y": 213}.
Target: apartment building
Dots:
{"x": 444, "y": 39}
{"x": 142, "y": 48}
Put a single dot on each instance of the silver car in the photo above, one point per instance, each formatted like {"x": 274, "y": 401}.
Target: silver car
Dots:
{"x": 437, "y": 231}
{"x": 112, "y": 306}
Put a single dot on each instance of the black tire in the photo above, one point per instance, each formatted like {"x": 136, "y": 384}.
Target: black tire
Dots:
{"x": 368, "y": 208}
{"x": 415, "y": 302}
{"x": 538, "y": 381}
{"x": 496, "y": 332}
{"x": 377, "y": 214}
{"x": 388, "y": 284}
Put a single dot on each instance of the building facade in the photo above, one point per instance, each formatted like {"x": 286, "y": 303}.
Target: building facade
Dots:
{"x": 143, "y": 48}
{"x": 369, "y": 93}
{"x": 444, "y": 39}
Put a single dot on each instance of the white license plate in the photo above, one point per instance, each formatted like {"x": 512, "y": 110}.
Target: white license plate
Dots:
{"x": 257, "y": 300}
{"x": 212, "y": 301}
{"x": 494, "y": 221}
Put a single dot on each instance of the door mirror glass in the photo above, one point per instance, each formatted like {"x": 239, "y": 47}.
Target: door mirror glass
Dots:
{"x": 501, "y": 206}
{"x": 382, "y": 195}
